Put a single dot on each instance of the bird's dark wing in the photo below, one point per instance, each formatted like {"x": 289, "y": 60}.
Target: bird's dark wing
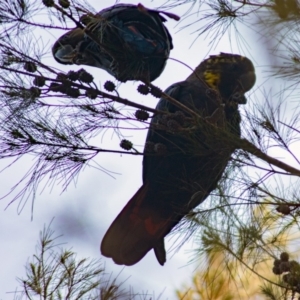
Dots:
{"x": 141, "y": 20}
{"x": 169, "y": 183}
{"x": 194, "y": 96}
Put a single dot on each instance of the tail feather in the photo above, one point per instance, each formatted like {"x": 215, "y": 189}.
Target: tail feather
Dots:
{"x": 160, "y": 252}
{"x": 136, "y": 230}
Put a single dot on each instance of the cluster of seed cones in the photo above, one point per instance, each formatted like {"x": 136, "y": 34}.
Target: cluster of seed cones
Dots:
{"x": 291, "y": 270}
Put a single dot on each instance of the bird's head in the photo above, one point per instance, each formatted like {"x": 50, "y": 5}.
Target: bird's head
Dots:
{"x": 65, "y": 48}
{"x": 232, "y": 75}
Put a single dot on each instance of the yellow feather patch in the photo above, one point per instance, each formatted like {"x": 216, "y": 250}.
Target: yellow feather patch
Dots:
{"x": 212, "y": 79}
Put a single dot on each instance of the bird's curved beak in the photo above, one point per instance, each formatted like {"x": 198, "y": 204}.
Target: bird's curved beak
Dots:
{"x": 238, "y": 98}
{"x": 66, "y": 54}
{"x": 247, "y": 81}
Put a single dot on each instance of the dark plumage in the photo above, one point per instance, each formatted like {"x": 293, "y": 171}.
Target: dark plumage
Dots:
{"x": 129, "y": 41}
{"x": 182, "y": 178}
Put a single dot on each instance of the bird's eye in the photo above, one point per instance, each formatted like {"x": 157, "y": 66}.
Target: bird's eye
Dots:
{"x": 237, "y": 96}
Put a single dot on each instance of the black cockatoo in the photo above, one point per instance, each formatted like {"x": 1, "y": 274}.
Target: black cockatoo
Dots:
{"x": 180, "y": 179}
{"x": 129, "y": 41}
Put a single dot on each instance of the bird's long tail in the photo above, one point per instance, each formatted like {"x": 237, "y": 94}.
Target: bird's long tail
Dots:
{"x": 138, "y": 228}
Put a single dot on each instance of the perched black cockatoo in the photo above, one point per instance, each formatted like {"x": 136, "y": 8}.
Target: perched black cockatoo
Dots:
{"x": 129, "y": 41}
{"x": 179, "y": 179}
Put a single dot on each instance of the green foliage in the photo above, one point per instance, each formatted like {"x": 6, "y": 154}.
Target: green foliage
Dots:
{"x": 56, "y": 273}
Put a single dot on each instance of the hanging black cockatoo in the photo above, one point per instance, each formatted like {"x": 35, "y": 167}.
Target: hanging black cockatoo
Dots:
{"x": 129, "y": 41}
{"x": 179, "y": 179}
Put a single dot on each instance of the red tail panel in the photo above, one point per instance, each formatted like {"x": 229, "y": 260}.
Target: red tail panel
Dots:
{"x": 136, "y": 230}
